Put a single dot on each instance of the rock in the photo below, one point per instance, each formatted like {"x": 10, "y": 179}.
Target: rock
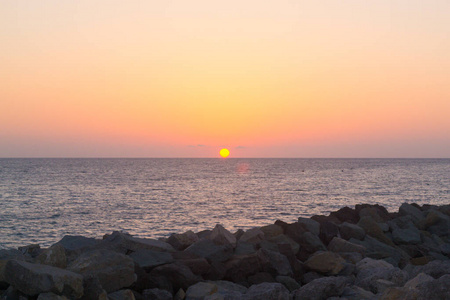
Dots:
{"x": 229, "y": 286}
{"x": 200, "y": 290}
{"x": 352, "y": 257}
{"x": 381, "y": 211}
{"x": 32, "y": 250}
{"x": 406, "y": 236}
{"x": 34, "y": 279}
{"x": 216, "y": 272}
{"x": 356, "y": 293}
{"x": 51, "y": 296}
{"x": 244, "y": 248}
{"x": 208, "y": 249}
{"x": 349, "y": 231}
{"x": 260, "y": 278}
{"x": 125, "y": 243}
{"x": 321, "y": 288}
{"x": 414, "y": 212}
{"x": 436, "y": 268}
{"x": 435, "y": 289}
{"x": 371, "y": 212}
{"x": 371, "y": 228}
{"x": 198, "y": 266}
{"x": 179, "y": 276}
{"x": 121, "y": 295}
{"x": 182, "y": 241}
{"x": 180, "y": 295}
{"x": 148, "y": 259}
{"x": 310, "y": 224}
{"x": 346, "y": 214}
{"x": 441, "y": 226}
{"x": 278, "y": 262}
{"x": 5, "y": 255}
{"x": 93, "y": 289}
{"x": 310, "y": 276}
{"x": 295, "y": 230}
{"x": 340, "y": 245}
{"x": 114, "y": 270}
{"x": 158, "y": 294}
{"x": 267, "y": 291}
{"x": 238, "y": 234}
{"x": 204, "y": 234}
{"x": 421, "y": 277}
{"x": 394, "y": 293}
{"x": 271, "y": 230}
{"x": 240, "y": 267}
{"x": 221, "y": 236}
{"x": 77, "y": 243}
{"x": 54, "y": 256}
{"x": 284, "y": 239}
{"x": 370, "y": 270}
{"x": 325, "y": 262}
{"x": 383, "y": 284}
{"x": 253, "y": 236}
{"x": 328, "y": 231}
{"x": 311, "y": 243}
{"x": 288, "y": 282}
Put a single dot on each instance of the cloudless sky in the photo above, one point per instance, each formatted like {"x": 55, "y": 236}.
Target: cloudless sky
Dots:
{"x": 263, "y": 78}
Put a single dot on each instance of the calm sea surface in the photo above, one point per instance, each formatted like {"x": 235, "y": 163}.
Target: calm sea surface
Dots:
{"x": 41, "y": 200}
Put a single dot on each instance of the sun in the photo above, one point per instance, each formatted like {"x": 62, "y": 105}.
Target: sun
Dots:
{"x": 224, "y": 152}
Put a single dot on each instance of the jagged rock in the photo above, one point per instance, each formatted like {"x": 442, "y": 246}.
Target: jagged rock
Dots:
{"x": 349, "y": 231}
{"x": 200, "y": 290}
{"x": 32, "y": 250}
{"x": 288, "y": 282}
{"x": 325, "y": 262}
{"x": 356, "y": 293}
{"x": 93, "y": 289}
{"x": 310, "y": 224}
{"x": 5, "y": 255}
{"x": 371, "y": 212}
{"x": 272, "y": 230}
{"x": 77, "y": 243}
{"x": 208, "y": 249}
{"x": 253, "y": 236}
{"x": 414, "y": 212}
{"x": 440, "y": 225}
{"x": 227, "y": 290}
{"x": 321, "y": 288}
{"x": 369, "y": 270}
{"x": 180, "y": 295}
{"x": 238, "y": 234}
{"x": 436, "y": 268}
{"x": 260, "y": 278}
{"x": 414, "y": 282}
{"x": 435, "y": 289}
{"x": 221, "y": 236}
{"x": 54, "y": 256}
{"x": 179, "y": 276}
{"x": 148, "y": 259}
{"x": 34, "y": 279}
{"x": 240, "y": 267}
{"x": 295, "y": 230}
{"x": 198, "y": 266}
{"x": 267, "y": 291}
{"x": 346, "y": 214}
{"x": 244, "y": 248}
{"x": 311, "y": 243}
{"x": 371, "y": 228}
{"x": 204, "y": 234}
{"x": 381, "y": 210}
{"x": 183, "y": 240}
{"x": 328, "y": 230}
{"x": 340, "y": 245}
{"x": 406, "y": 236}
{"x": 114, "y": 270}
{"x": 383, "y": 284}
{"x": 284, "y": 239}
{"x": 216, "y": 272}
{"x": 121, "y": 295}
{"x": 278, "y": 262}
{"x": 125, "y": 243}
{"x": 51, "y": 296}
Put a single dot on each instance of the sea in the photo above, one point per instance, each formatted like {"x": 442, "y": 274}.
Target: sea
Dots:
{"x": 42, "y": 200}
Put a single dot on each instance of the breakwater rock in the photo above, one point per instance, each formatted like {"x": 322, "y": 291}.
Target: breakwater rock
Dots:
{"x": 364, "y": 252}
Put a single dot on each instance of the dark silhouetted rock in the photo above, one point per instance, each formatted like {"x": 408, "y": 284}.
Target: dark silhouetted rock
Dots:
{"x": 340, "y": 245}
{"x": 272, "y": 230}
{"x": 311, "y": 243}
{"x": 295, "y": 230}
{"x": 321, "y": 288}
{"x": 148, "y": 259}
{"x": 349, "y": 231}
{"x": 277, "y": 262}
{"x": 311, "y": 225}
{"x": 260, "y": 277}
{"x": 179, "y": 276}
{"x": 54, "y": 256}
{"x": 370, "y": 270}
{"x": 221, "y": 236}
{"x": 208, "y": 249}
{"x": 346, "y": 214}
{"x": 121, "y": 295}
{"x": 436, "y": 268}
{"x": 373, "y": 229}
{"x": 288, "y": 282}
{"x": 125, "y": 243}
{"x": 183, "y": 240}
{"x": 93, "y": 289}
{"x": 435, "y": 289}
{"x": 240, "y": 267}
{"x": 50, "y": 296}
{"x": 198, "y": 266}
{"x": 325, "y": 262}
{"x": 78, "y": 243}
{"x": 414, "y": 212}
{"x": 253, "y": 236}
{"x": 201, "y": 290}
{"x": 267, "y": 291}
{"x": 328, "y": 231}
{"x": 406, "y": 236}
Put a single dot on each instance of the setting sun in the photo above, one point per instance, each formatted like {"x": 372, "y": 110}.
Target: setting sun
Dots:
{"x": 224, "y": 153}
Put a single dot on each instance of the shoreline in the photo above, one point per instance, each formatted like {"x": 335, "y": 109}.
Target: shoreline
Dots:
{"x": 353, "y": 253}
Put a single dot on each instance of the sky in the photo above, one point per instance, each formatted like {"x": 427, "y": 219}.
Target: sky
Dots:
{"x": 262, "y": 78}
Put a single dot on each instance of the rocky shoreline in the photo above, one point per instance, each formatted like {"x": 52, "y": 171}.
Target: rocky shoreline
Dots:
{"x": 363, "y": 252}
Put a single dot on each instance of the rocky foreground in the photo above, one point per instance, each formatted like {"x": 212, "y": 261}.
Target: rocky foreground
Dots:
{"x": 360, "y": 253}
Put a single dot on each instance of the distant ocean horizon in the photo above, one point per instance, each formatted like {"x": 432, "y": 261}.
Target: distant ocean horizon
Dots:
{"x": 43, "y": 199}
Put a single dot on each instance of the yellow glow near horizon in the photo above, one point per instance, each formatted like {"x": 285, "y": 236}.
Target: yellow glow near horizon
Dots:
{"x": 224, "y": 153}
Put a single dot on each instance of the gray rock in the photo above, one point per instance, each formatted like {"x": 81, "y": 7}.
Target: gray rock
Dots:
{"x": 421, "y": 277}
{"x": 114, "y": 270}
{"x": 198, "y": 266}
{"x": 288, "y": 282}
{"x": 373, "y": 229}
{"x": 93, "y": 289}
{"x": 271, "y": 230}
{"x": 54, "y": 256}
{"x": 284, "y": 239}
{"x": 310, "y": 224}
{"x": 34, "y": 279}
{"x": 349, "y": 231}
{"x": 414, "y": 212}
{"x": 121, "y": 295}
{"x": 278, "y": 262}
{"x": 238, "y": 268}
{"x": 325, "y": 262}
{"x": 244, "y": 248}
{"x": 311, "y": 243}
{"x": 32, "y": 250}
{"x": 179, "y": 276}
{"x": 200, "y": 290}
{"x": 321, "y": 288}
{"x": 148, "y": 259}
{"x": 406, "y": 236}
{"x": 253, "y": 236}
{"x": 183, "y": 240}
{"x": 5, "y": 255}
{"x": 78, "y": 243}
{"x": 260, "y": 278}
{"x": 229, "y": 286}
{"x": 125, "y": 243}
{"x": 340, "y": 245}
{"x": 180, "y": 295}
{"x": 383, "y": 284}
{"x": 435, "y": 268}
{"x": 267, "y": 291}
{"x": 357, "y": 293}
{"x": 208, "y": 249}
{"x": 435, "y": 289}
{"x": 221, "y": 236}
{"x": 51, "y": 296}
{"x": 352, "y": 257}
{"x": 328, "y": 230}
{"x": 370, "y": 270}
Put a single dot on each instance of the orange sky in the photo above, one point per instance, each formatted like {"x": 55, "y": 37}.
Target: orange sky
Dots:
{"x": 262, "y": 78}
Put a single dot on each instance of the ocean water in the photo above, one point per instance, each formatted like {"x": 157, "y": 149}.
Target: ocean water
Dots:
{"x": 41, "y": 200}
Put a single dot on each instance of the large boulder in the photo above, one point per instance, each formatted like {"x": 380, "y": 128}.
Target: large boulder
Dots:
{"x": 322, "y": 288}
{"x": 435, "y": 268}
{"x": 406, "y": 236}
{"x": 349, "y": 231}
{"x": 239, "y": 267}
{"x": 288, "y": 282}
{"x": 54, "y": 256}
{"x": 34, "y": 279}
{"x": 121, "y": 295}
{"x": 373, "y": 229}
{"x": 311, "y": 243}
{"x": 310, "y": 224}
{"x": 267, "y": 291}
{"x": 221, "y": 236}
{"x": 277, "y": 262}
{"x": 435, "y": 289}
{"x": 346, "y": 214}
{"x": 148, "y": 259}
{"x": 181, "y": 241}
{"x": 93, "y": 289}
{"x": 325, "y": 262}
{"x": 420, "y": 278}
{"x": 201, "y": 290}
{"x": 178, "y": 275}
{"x": 206, "y": 248}
{"x": 253, "y": 236}
{"x": 340, "y": 245}
{"x": 125, "y": 243}
{"x": 370, "y": 270}
{"x": 283, "y": 240}
{"x": 271, "y": 230}
{"x": 328, "y": 230}
{"x": 78, "y": 243}
{"x": 114, "y": 270}
{"x": 414, "y": 212}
